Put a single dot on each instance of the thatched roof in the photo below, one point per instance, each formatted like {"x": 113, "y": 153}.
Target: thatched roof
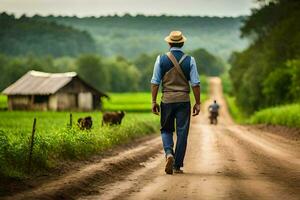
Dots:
{"x": 41, "y": 83}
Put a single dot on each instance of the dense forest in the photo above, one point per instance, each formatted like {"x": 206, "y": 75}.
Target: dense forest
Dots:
{"x": 128, "y": 35}
{"x": 116, "y": 74}
{"x": 21, "y": 36}
{"x": 59, "y": 44}
{"x": 268, "y": 72}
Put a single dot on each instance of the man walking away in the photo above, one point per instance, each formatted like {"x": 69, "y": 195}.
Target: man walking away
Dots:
{"x": 176, "y": 71}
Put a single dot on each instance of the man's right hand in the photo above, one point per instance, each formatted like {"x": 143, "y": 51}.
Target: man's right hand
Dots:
{"x": 196, "y": 109}
{"x": 155, "y": 108}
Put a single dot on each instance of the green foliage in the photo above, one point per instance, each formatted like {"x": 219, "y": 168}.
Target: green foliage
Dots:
{"x": 207, "y": 63}
{"x": 12, "y": 68}
{"x": 276, "y": 87}
{"x": 26, "y": 35}
{"x": 93, "y": 70}
{"x": 294, "y": 67}
{"x": 54, "y": 142}
{"x": 129, "y": 102}
{"x": 235, "y": 112}
{"x": 3, "y": 102}
{"x": 262, "y": 75}
{"x": 145, "y": 64}
{"x": 227, "y": 84}
{"x": 288, "y": 115}
{"x": 128, "y": 36}
{"x": 124, "y": 76}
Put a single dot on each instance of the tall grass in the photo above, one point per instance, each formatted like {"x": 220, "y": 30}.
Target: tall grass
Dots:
{"x": 55, "y": 142}
{"x": 288, "y": 115}
{"x": 3, "y": 102}
{"x": 234, "y": 110}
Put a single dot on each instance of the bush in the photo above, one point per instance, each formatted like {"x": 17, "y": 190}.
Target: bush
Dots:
{"x": 288, "y": 115}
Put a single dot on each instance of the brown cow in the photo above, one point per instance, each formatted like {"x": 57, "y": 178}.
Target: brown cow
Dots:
{"x": 112, "y": 118}
{"x": 85, "y": 123}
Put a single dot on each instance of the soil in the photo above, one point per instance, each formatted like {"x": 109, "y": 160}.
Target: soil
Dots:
{"x": 224, "y": 161}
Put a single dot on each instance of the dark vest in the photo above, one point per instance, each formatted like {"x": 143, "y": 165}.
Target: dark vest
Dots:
{"x": 175, "y": 86}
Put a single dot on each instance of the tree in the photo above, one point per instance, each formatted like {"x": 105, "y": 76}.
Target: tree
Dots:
{"x": 261, "y": 74}
{"x": 93, "y": 71}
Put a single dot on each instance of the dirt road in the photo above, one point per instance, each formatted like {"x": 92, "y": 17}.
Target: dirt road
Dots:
{"x": 226, "y": 161}
{"x": 223, "y": 162}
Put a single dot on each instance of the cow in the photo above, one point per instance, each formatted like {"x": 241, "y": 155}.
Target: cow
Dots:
{"x": 85, "y": 123}
{"x": 112, "y": 118}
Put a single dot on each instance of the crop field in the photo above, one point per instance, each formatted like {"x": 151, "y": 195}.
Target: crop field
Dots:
{"x": 56, "y": 141}
{"x": 288, "y": 115}
{"x": 134, "y": 102}
{"x": 129, "y": 102}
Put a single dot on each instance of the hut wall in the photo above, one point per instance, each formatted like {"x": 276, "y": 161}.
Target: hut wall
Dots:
{"x": 85, "y": 101}
{"x": 52, "y": 103}
{"x": 19, "y": 102}
{"x": 66, "y": 101}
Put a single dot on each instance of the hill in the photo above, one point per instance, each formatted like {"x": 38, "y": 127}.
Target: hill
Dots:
{"x": 26, "y": 35}
{"x": 130, "y": 36}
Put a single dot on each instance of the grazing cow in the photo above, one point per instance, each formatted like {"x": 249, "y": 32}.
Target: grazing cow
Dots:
{"x": 113, "y": 118}
{"x": 85, "y": 123}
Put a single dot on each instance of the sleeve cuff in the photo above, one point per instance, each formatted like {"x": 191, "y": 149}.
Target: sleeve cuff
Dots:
{"x": 155, "y": 82}
{"x": 195, "y": 84}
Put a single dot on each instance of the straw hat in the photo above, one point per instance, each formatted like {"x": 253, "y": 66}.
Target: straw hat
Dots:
{"x": 175, "y": 37}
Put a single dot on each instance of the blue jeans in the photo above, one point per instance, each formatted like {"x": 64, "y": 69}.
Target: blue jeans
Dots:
{"x": 179, "y": 112}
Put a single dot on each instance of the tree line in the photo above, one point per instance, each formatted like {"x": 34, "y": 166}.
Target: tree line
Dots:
{"x": 128, "y": 35}
{"x": 115, "y": 74}
{"x": 268, "y": 72}
{"x": 20, "y": 36}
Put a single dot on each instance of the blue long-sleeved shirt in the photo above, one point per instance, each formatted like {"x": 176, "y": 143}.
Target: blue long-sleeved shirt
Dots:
{"x": 157, "y": 74}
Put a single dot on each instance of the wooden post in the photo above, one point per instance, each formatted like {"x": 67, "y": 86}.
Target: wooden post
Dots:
{"x": 71, "y": 122}
{"x": 31, "y": 145}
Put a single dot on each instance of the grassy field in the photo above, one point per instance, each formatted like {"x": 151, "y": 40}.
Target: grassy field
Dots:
{"x": 56, "y": 142}
{"x": 3, "y": 102}
{"x": 288, "y": 115}
{"x": 134, "y": 102}
{"x": 129, "y": 102}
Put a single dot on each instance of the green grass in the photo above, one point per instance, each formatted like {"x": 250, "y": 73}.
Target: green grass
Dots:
{"x": 129, "y": 102}
{"x": 288, "y": 115}
{"x": 234, "y": 110}
{"x": 56, "y": 142}
{"x": 3, "y": 102}
{"x": 134, "y": 102}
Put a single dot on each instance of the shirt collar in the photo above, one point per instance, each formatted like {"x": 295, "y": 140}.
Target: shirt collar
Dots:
{"x": 176, "y": 49}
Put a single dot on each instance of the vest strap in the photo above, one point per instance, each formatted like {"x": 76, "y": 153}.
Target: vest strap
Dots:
{"x": 177, "y": 65}
{"x": 182, "y": 59}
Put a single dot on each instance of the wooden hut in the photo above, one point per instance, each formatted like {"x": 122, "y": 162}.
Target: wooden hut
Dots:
{"x": 52, "y": 91}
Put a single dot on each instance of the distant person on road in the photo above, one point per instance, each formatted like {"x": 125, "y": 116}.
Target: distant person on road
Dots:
{"x": 176, "y": 71}
{"x": 214, "y": 108}
{"x": 214, "y": 112}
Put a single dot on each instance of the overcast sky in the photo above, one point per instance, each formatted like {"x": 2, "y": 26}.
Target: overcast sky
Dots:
{"x": 148, "y": 7}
